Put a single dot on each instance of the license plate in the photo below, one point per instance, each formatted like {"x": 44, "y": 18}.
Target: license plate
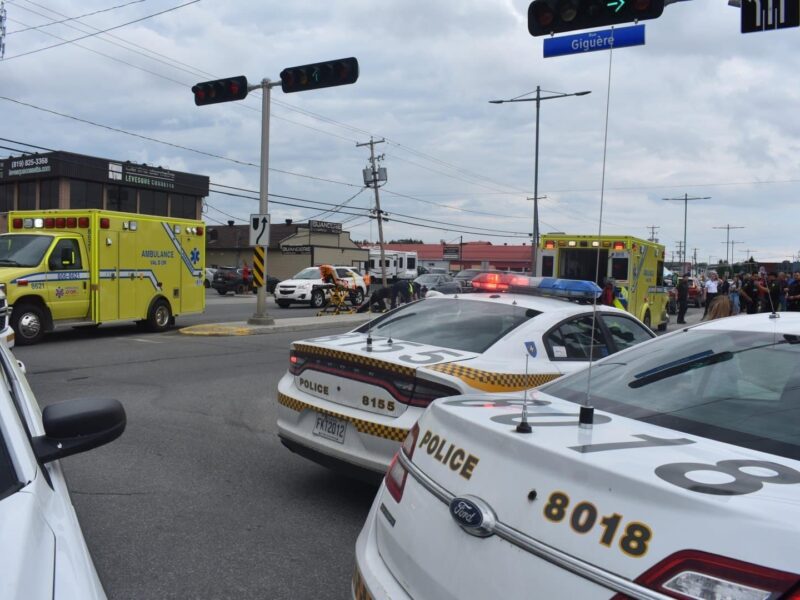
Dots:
{"x": 330, "y": 428}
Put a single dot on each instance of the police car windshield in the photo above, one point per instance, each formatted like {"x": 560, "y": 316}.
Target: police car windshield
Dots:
{"x": 468, "y": 325}
{"x": 22, "y": 250}
{"x": 738, "y": 387}
{"x": 309, "y": 273}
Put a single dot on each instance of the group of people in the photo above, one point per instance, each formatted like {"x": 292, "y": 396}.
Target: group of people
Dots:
{"x": 401, "y": 292}
{"x": 743, "y": 293}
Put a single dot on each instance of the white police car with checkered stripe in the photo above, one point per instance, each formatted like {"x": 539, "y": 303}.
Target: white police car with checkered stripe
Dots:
{"x": 348, "y": 400}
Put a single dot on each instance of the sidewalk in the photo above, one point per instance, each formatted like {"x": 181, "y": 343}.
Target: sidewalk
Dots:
{"x": 280, "y": 325}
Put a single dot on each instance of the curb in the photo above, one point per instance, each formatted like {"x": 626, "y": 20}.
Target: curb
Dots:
{"x": 280, "y": 326}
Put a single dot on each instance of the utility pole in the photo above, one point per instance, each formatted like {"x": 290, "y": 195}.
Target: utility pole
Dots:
{"x": 694, "y": 262}
{"x": 685, "y": 201}
{"x": 374, "y": 184}
{"x": 535, "y": 236}
{"x": 653, "y": 229}
{"x": 733, "y": 258}
{"x": 681, "y": 254}
{"x": 727, "y": 239}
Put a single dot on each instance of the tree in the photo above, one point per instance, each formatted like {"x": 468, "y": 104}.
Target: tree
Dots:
{"x": 406, "y": 241}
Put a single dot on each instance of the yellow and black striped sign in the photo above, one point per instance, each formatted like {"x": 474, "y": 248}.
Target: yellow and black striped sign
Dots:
{"x": 258, "y": 266}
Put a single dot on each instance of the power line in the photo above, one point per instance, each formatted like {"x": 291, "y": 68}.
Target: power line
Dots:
{"x": 101, "y": 31}
{"x": 75, "y": 18}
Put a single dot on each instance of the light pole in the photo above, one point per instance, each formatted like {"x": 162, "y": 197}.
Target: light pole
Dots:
{"x": 685, "y": 201}
{"x": 538, "y": 99}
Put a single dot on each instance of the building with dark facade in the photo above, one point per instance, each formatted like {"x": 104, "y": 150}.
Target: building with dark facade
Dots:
{"x": 67, "y": 180}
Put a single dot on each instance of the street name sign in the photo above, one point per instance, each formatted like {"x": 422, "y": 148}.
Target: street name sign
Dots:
{"x": 593, "y": 41}
{"x": 766, "y": 15}
{"x": 259, "y": 230}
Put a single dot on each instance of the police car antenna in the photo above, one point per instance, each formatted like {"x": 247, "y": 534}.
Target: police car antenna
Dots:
{"x": 523, "y": 426}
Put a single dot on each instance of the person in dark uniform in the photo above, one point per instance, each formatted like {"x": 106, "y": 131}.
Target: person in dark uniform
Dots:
{"x": 749, "y": 294}
{"x": 793, "y": 293}
{"x": 683, "y": 297}
{"x": 377, "y": 301}
{"x": 404, "y": 290}
{"x": 772, "y": 293}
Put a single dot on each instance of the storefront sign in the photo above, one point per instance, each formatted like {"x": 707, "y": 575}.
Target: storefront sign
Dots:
{"x": 324, "y": 227}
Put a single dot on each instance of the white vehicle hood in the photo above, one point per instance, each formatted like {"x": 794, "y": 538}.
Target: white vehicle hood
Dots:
{"x": 29, "y": 549}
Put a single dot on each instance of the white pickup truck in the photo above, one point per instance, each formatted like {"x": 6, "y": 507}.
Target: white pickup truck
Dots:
{"x": 305, "y": 288}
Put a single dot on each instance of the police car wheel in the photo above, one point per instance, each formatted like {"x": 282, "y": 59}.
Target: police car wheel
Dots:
{"x": 160, "y": 316}
{"x": 28, "y": 320}
{"x": 317, "y": 299}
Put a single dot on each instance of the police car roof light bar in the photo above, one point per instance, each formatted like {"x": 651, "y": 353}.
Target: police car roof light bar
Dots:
{"x": 570, "y": 289}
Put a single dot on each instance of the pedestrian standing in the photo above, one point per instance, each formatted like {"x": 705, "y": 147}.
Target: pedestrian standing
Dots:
{"x": 733, "y": 293}
{"x": 793, "y": 293}
{"x": 607, "y": 297}
{"x": 783, "y": 282}
{"x": 772, "y": 293}
{"x": 245, "y": 278}
{"x": 748, "y": 294}
{"x": 683, "y": 297}
{"x": 710, "y": 289}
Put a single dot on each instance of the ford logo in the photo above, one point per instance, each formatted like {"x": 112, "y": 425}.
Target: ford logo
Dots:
{"x": 473, "y": 515}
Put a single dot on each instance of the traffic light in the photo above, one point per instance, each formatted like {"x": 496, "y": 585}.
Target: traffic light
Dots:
{"x": 220, "y": 90}
{"x": 319, "y": 75}
{"x": 557, "y": 16}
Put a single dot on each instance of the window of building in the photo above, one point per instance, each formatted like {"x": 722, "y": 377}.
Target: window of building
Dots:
{"x": 48, "y": 194}
{"x": 6, "y": 197}
{"x": 85, "y": 194}
{"x": 182, "y": 206}
{"x": 121, "y": 198}
{"x": 153, "y": 203}
{"x": 27, "y": 196}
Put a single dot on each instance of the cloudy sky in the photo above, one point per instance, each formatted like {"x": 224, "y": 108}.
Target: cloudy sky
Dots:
{"x": 700, "y": 109}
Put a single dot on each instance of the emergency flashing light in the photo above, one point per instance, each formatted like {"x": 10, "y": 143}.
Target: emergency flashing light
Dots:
{"x": 619, "y": 246}
{"x": 38, "y": 223}
{"x": 342, "y": 71}
{"x": 83, "y": 221}
{"x": 72, "y": 222}
{"x": 105, "y": 223}
{"x": 549, "y": 245}
{"x": 17, "y": 223}
{"x": 557, "y": 16}
{"x": 61, "y": 222}
{"x": 595, "y": 244}
{"x": 49, "y": 223}
{"x": 571, "y": 289}
{"x": 220, "y": 90}
{"x": 199, "y": 230}
{"x": 571, "y": 243}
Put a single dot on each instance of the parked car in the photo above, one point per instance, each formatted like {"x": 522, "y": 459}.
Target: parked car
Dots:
{"x": 684, "y": 481}
{"x": 465, "y": 277}
{"x": 306, "y": 288}
{"x": 44, "y": 552}
{"x": 231, "y": 279}
{"x": 209, "y": 277}
{"x": 695, "y": 296}
{"x": 439, "y": 282}
{"x": 348, "y": 400}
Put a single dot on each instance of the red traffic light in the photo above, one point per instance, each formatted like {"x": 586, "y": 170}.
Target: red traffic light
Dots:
{"x": 220, "y": 90}
{"x": 319, "y": 75}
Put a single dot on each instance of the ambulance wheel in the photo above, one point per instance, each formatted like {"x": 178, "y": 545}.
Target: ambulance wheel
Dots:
{"x": 317, "y": 299}
{"x": 357, "y": 297}
{"x": 28, "y": 322}
{"x": 646, "y": 319}
{"x": 160, "y": 316}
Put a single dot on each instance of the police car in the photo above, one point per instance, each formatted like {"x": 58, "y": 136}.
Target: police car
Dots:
{"x": 678, "y": 478}
{"x": 44, "y": 553}
{"x": 348, "y": 400}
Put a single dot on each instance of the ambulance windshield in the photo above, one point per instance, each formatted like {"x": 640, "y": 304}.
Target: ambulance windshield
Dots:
{"x": 22, "y": 250}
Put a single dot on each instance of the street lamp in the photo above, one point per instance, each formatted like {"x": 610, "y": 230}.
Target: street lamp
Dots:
{"x": 685, "y": 201}
{"x": 538, "y": 99}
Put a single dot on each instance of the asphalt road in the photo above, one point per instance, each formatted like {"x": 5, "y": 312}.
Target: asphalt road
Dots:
{"x": 198, "y": 498}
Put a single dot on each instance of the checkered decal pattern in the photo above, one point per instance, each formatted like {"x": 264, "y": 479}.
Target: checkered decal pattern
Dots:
{"x": 360, "y": 591}
{"x": 382, "y": 431}
{"x": 356, "y": 359}
{"x": 489, "y": 381}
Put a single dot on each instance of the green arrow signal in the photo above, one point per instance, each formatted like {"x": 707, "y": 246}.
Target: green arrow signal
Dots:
{"x": 616, "y": 4}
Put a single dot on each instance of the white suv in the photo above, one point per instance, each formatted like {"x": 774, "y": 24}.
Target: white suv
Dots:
{"x": 305, "y": 288}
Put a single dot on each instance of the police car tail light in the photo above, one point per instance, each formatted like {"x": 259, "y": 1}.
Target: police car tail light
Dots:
{"x": 296, "y": 363}
{"x": 691, "y": 574}
{"x": 426, "y": 392}
{"x": 396, "y": 474}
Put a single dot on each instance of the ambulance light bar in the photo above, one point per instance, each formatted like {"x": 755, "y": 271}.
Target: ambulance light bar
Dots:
{"x": 50, "y": 223}
{"x": 574, "y": 289}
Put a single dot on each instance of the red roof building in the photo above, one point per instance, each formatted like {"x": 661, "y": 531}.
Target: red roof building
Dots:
{"x": 474, "y": 255}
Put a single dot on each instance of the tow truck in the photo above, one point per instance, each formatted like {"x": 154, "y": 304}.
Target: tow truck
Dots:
{"x": 636, "y": 267}
{"x": 87, "y": 267}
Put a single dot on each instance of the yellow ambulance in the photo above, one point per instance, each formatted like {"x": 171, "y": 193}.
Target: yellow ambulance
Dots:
{"x": 85, "y": 267}
{"x": 636, "y": 266}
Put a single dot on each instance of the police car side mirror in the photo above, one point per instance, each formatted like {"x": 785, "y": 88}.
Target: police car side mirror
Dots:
{"x": 78, "y": 425}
